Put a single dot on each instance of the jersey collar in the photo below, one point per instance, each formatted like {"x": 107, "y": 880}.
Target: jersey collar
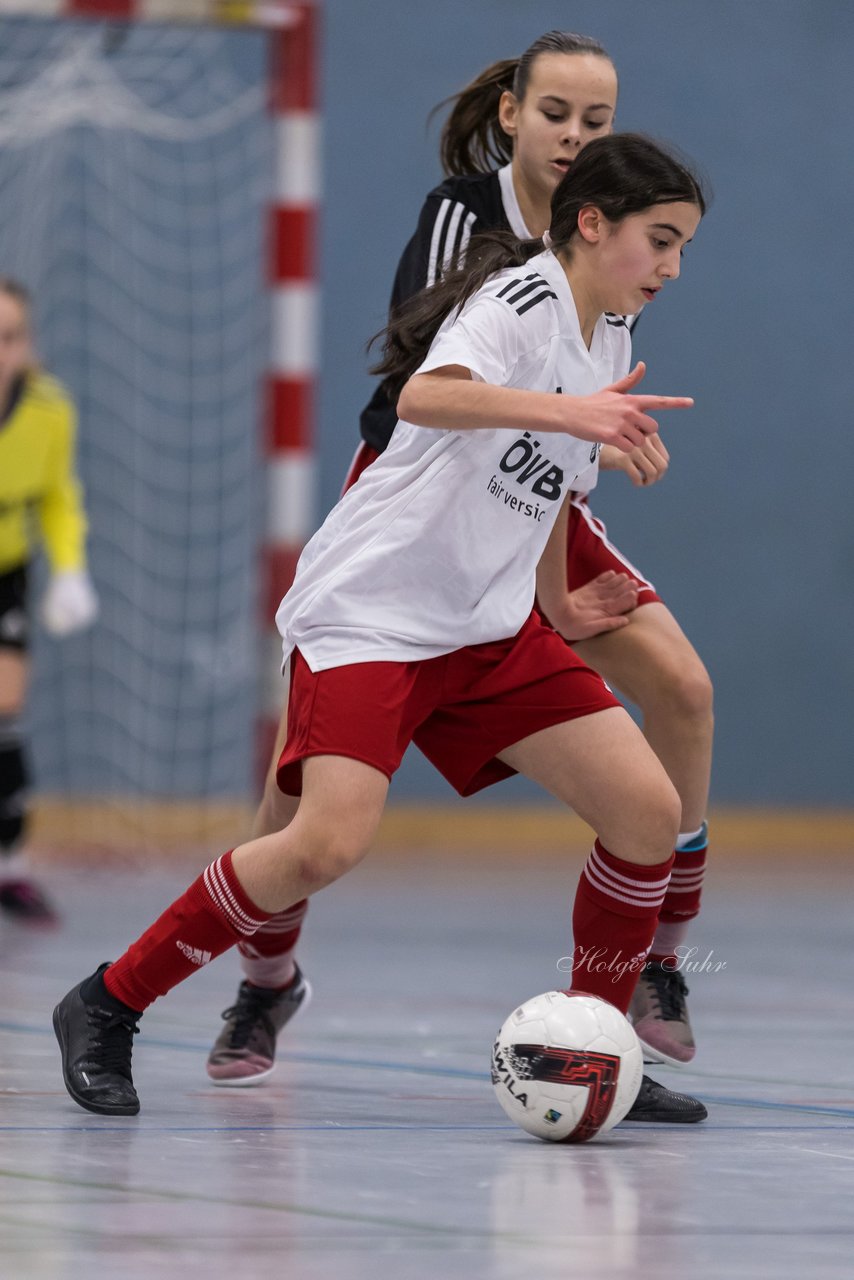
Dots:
{"x": 547, "y": 265}
{"x": 511, "y": 205}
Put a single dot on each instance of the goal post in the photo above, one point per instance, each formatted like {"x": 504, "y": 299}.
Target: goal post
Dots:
{"x": 159, "y": 192}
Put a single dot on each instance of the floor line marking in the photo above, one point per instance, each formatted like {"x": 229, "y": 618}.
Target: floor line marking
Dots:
{"x": 813, "y": 1151}
{"x": 141, "y": 1128}
{"x": 335, "y": 1215}
{"x": 451, "y": 1072}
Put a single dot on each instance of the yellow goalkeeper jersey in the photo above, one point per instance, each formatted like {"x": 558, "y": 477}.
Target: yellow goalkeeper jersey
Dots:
{"x": 40, "y": 498}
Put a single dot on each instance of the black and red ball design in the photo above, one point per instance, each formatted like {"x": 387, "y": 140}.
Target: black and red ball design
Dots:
{"x": 566, "y": 1067}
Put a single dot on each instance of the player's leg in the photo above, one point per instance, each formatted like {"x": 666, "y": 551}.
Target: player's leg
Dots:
{"x": 268, "y": 960}
{"x": 20, "y": 896}
{"x": 13, "y": 768}
{"x": 348, "y": 729}
{"x": 652, "y": 663}
{"x": 274, "y": 987}
{"x": 601, "y": 766}
{"x": 529, "y": 704}
{"x": 341, "y": 805}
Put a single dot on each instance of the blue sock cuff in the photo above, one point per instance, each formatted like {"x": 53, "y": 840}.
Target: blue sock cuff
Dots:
{"x": 699, "y": 842}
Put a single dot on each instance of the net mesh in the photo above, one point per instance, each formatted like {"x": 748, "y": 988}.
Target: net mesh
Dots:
{"x": 135, "y": 164}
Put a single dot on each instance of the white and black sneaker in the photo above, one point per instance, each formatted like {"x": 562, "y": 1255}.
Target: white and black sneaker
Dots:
{"x": 659, "y": 1012}
{"x": 245, "y": 1050}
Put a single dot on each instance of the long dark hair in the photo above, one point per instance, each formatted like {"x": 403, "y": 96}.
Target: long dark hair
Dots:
{"x": 472, "y": 140}
{"x": 621, "y": 175}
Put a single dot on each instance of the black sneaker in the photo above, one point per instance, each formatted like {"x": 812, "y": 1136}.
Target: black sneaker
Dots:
{"x": 245, "y": 1050}
{"x": 96, "y": 1042}
{"x": 660, "y": 1105}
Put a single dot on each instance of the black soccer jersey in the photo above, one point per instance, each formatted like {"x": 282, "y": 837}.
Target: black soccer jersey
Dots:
{"x": 452, "y": 213}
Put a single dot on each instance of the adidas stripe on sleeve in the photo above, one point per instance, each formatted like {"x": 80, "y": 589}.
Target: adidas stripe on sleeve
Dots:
{"x": 523, "y": 294}
{"x": 449, "y": 241}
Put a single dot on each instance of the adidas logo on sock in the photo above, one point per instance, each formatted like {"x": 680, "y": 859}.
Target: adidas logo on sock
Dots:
{"x": 194, "y": 954}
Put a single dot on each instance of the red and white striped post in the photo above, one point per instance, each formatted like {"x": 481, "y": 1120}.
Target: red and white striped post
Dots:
{"x": 292, "y": 239}
{"x": 100, "y": 8}
{"x": 128, "y": 9}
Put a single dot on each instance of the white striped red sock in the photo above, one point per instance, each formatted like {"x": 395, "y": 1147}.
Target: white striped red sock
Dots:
{"x": 213, "y": 914}
{"x": 267, "y": 958}
{"x": 613, "y": 922}
{"x": 682, "y": 900}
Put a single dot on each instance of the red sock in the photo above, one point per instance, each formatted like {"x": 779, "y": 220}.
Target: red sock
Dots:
{"x": 267, "y": 958}
{"x": 681, "y": 902}
{"x": 210, "y": 917}
{"x": 613, "y": 921}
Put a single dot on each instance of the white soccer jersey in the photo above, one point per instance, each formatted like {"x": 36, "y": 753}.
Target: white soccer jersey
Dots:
{"x": 512, "y": 209}
{"x": 436, "y": 546}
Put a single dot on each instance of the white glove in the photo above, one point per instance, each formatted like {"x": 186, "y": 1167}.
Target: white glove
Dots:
{"x": 69, "y": 603}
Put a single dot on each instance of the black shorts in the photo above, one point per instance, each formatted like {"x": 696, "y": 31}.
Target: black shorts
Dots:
{"x": 14, "y": 623}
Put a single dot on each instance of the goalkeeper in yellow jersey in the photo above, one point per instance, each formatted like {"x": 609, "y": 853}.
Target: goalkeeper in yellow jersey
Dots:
{"x": 40, "y": 506}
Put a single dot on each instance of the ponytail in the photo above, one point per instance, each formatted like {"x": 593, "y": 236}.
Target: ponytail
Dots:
{"x": 413, "y": 325}
{"x": 472, "y": 140}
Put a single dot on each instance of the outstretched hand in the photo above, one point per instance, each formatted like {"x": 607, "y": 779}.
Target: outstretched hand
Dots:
{"x": 617, "y": 417}
{"x": 600, "y": 605}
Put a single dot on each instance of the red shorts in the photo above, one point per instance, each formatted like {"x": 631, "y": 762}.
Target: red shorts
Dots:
{"x": 362, "y": 458}
{"x": 589, "y": 553}
{"x": 460, "y": 709}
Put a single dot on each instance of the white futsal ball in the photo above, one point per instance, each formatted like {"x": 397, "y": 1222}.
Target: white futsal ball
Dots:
{"x": 566, "y": 1067}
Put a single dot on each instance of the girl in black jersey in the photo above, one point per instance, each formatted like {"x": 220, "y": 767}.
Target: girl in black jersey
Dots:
{"x": 510, "y": 137}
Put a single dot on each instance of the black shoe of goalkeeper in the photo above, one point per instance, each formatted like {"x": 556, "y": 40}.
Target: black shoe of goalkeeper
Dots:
{"x": 96, "y": 1040}
{"x": 659, "y": 1105}
{"x": 24, "y": 901}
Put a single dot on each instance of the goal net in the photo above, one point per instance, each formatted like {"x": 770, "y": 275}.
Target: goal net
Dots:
{"x": 135, "y": 164}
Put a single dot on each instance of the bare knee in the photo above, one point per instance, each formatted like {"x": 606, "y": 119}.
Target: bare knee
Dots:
{"x": 645, "y": 832}
{"x": 335, "y": 823}
{"x": 655, "y": 665}
{"x": 693, "y": 691}
{"x": 681, "y": 688}
{"x": 665, "y": 818}
{"x": 326, "y": 855}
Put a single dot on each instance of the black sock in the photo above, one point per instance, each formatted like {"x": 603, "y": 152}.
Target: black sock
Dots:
{"x": 94, "y": 991}
{"x": 14, "y": 781}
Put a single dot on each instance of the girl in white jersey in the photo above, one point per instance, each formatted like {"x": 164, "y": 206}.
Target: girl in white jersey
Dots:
{"x": 513, "y": 375}
{"x": 509, "y": 139}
